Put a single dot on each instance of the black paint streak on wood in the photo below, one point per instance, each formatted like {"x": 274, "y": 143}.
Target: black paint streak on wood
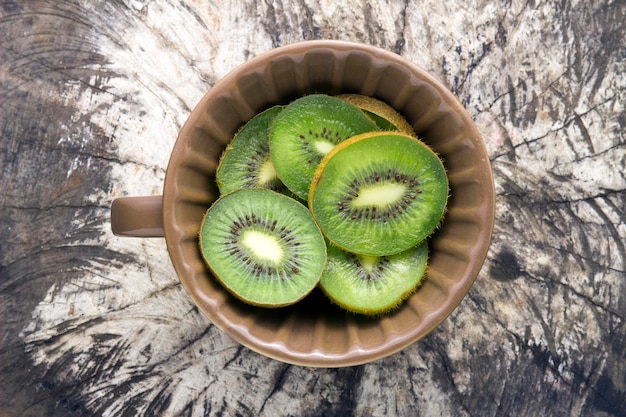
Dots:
{"x": 505, "y": 266}
{"x": 279, "y": 379}
{"x": 347, "y": 383}
{"x": 352, "y": 380}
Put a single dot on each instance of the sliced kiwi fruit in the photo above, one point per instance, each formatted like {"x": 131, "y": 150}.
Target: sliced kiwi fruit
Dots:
{"x": 307, "y": 129}
{"x": 386, "y": 117}
{"x": 246, "y": 161}
{"x": 373, "y": 285}
{"x": 263, "y": 247}
{"x": 379, "y": 193}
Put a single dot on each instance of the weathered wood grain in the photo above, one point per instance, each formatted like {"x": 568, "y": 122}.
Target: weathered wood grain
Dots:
{"x": 92, "y": 95}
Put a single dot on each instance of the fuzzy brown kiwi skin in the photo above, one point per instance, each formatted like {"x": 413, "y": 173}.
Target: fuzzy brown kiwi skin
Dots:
{"x": 379, "y": 108}
{"x": 320, "y": 168}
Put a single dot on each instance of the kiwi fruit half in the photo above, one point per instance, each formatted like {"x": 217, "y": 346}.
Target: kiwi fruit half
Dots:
{"x": 373, "y": 285}
{"x": 307, "y": 129}
{"x": 386, "y": 117}
{"x": 246, "y": 161}
{"x": 379, "y": 193}
{"x": 263, "y": 247}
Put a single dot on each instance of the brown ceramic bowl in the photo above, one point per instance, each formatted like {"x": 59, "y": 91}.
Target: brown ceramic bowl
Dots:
{"x": 314, "y": 332}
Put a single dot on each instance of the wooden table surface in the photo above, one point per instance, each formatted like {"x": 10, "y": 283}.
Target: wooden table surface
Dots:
{"x": 92, "y": 95}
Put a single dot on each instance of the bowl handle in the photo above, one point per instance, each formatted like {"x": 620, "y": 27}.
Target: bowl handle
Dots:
{"x": 137, "y": 216}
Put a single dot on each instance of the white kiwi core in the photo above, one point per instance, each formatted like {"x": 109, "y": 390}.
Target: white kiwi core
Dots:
{"x": 267, "y": 172}
{"x": 323, "y": 146}
{"x": 380, "y": 195}
{"x": 369, "y": 262}
{"x": 263, "y": 246}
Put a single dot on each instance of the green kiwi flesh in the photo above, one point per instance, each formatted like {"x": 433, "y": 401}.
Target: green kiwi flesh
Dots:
{"x": 381, "y": 122}
{"x": 379, "y": 193}
{"x": 373, "y": 285}
{"x": 263, "y": 247}
{"x": 307, "y": 129}
{"x": 246, "y": 161}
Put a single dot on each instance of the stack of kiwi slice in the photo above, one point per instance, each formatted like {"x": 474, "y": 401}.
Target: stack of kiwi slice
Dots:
{"x": 335, "y": 192}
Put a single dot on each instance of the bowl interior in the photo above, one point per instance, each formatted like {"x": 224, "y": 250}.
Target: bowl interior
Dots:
{"x": 314, "y": 332}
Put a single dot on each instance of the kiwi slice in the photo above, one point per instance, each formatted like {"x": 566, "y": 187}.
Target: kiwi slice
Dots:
{"x": 373, "y": 285}
{"x": 379, "y": 193}
{"x": 386, "y": 117}
{"x": 306, "y": 130}
{"x": 246, "y": 161}
{"x": 264, "y": 247}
